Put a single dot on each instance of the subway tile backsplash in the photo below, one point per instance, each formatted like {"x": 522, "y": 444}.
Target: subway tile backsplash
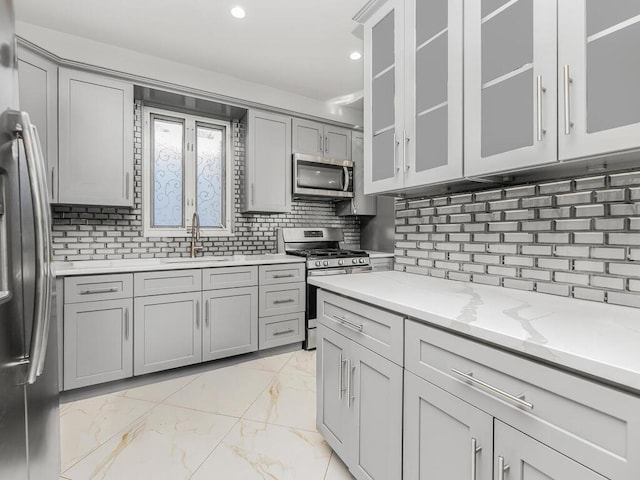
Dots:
{"x": 577, "y": 238}
{"x": 106, "y": 233}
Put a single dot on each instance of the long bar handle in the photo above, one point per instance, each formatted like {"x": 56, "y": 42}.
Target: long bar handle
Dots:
{"x": 404, "y": 150}
{"x": 126, "y": 324}
{"x": 395, "y": 151}
{"x": 341, "y": 377}
{"x": 283, "y": 332}
{"x": 319, "y": 142}
{"x": 567, "y": 101}
{"x": 502, "y": 468}
{"x": 288, "y": 275}
{"x": 347, "y": 180}
{"x": 288, "y": 300}
{"x": 539, "y": 93}
{"x": 42, "y": 226}
{"x": 355, "y": 326}
{"x": 501, "y": 393}
{"x": 326, "y": 144}
{"x": 53, "y": 183}
{"x": 206, "y": 314}
{"x": 197, "y": 314}
{"x": 100, "y": 290}
{"x": 350, "y": 396}
{"x": 475, "y": 449}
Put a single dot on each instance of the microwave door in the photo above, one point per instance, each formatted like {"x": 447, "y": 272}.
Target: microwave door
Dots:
{"x": 321, "y": 177}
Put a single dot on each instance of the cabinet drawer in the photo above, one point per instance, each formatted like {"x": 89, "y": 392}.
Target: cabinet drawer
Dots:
{"x": 374, "y": 328}
{"x": 596, "y": 425}
{"x": 288, "y": 273}
{"x": 280, "y": 299}
{"x": 229, "y": 277}
{"x": 98, "y": 287}
{"x": 281, "y": 330}
{"x": 160, "y": 283}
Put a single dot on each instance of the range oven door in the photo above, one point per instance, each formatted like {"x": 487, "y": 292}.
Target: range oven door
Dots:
{"x": 311, "y": 319}
{"x": 322, "y": 177}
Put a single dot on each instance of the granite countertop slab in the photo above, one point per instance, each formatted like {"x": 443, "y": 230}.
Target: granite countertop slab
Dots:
{"x": 598, "y": 340}
{"x": 64, "y": 269}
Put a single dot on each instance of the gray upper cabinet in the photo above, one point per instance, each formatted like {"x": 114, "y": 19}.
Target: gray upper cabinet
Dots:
{"x": 167, "y": 332}
{"x": 466, "y": 446}
{"x": 599, "y": 74}
{"x": 360, "y": 204}
{"x": 230, "y": 322}
{"x": 315, "y": 138}
{"x": 268, "y": 167}
{"x": 510, "y": 89}
{"x": 95, "y": 139}
{"x": 433, "y": 91}
{"x": 38, "y": 79}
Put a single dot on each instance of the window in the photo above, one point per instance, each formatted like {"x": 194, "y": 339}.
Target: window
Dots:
{"x": 187, "y": 169}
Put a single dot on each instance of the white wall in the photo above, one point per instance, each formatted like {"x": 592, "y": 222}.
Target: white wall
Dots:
{"x": 87, "y": 51}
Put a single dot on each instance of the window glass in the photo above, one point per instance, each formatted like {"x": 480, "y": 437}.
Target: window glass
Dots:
{"x": 168, "y": 173}
{"x": 210, "y": 176}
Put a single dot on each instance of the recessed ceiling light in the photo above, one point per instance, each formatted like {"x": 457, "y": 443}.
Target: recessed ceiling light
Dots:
{"x": 355, "y": 56}
{"x": 238, "y": 12}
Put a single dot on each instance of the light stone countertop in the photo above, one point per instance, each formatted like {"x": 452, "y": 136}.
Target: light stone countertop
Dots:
{"x": 89, "y": 267}
{"x": 595, "y": 339}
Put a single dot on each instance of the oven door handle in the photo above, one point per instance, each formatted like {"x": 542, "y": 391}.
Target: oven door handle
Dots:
{"x": 346, "y": 179}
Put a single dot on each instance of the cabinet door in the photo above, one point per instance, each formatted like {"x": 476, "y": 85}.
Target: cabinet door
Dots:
{"x": 268, "y": 187}
{"x": 384, "y": 97}
{"x": 524, "y": 458}
{"x": 98, "y": 345}
{"x": 360, "y": 204}
{"x": 510, "y": 85}
{"x": 96, "y": 139}
{"x": 230, "y": 322}
{"x": 38, "y": 80}
{"x": 433, "y": 91}
{"x": 375, "y": 399}
{"x": 599, "y": 77}
{"x": 337, "y": 143}
{"x": 332, "y": 412}
{"x": 308, "y": 137}
{"x": 167, "y": 332}
{"x": 467, "y": 445}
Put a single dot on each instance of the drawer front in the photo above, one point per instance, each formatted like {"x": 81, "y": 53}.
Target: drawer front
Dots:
{"x": 596, "y": 425}
{"x": 288, "y": 273}
{"x": 281, "y": 330}
{"x": 372, "y": 327}
{"x": 281, "y": 299}
{"x": 98, "y": 287}
{"x": 229, "y": 277}
{"x": 161, "y": 283}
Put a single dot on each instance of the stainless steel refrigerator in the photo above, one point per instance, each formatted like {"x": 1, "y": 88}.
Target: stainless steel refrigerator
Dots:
{"x": 29, "y": 422}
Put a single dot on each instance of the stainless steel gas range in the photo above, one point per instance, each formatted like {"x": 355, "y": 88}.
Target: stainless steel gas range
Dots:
{"x": 321, "y": 248}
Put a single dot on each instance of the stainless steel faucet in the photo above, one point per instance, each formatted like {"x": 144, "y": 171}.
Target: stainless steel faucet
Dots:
{"x": 195, "y": 234}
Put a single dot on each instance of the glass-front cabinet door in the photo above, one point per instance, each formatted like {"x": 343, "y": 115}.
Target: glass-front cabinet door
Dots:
{"x": 384, "y": 91}
{"x": 510, "y": 85}
{"x": 433, "y": 106}
{"x": 599, "y": 77}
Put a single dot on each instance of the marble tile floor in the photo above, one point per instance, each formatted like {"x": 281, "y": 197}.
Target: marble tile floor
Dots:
{"x": 252, "y": 417}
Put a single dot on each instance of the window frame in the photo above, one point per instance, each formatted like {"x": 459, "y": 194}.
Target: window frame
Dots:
{"x": 190, "y": 168}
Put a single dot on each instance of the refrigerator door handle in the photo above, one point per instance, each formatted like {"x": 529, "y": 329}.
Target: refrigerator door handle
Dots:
{"x": 27, "y": 132}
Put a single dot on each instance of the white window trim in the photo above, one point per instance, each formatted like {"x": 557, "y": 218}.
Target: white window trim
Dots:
{"x": 189, "y": 190}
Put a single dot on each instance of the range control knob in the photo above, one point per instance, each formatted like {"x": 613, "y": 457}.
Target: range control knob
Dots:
{"x": 355, "y": 260}
{"x": 340, "y": 262}
{"x": 318, "y": 263}
{"x": 362, "y": 260}
{"x": 325, "y": 263}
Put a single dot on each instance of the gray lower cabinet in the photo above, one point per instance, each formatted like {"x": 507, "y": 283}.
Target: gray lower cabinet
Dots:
{"x": 230, "y": 322}
{"x": 98, "y": 342}
{"x": 444, "y": 437}
{"x": 167, "y": 332}
{"x": 359, "y": 406}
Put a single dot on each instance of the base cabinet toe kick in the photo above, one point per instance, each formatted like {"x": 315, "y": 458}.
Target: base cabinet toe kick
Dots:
{"x": 453, "y": 407}
{"x": 121, "y": 325}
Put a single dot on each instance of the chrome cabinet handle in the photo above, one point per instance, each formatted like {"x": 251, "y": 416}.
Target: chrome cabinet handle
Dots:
{"x": 23, "y": 129}
{"x": 519, "y": 401}
{"x": 350, "y": 396}
{"x": 404, "y": 151}
{"x": 288, "y": 300}
{"x": 289, "y": 275}
{"x": 283, "y": 332}
{"x": 126, "y": 324}
{"x": 354, "y": 326}
{"x": 326, "y": 144}
{"x": 475, "y": 449}
{"x": 319, "y": 143}
{"x": 346, "y": 179}
{"x": 206, "y": 313}
{"x": 502, "y": 468}
{"x": 126, "y": 187}
{"x": 395, "y": 151}
{"x": 253, "y": 193}
{"x": 100, "y": 290}
{"x": 53, "y": 183}
{"x": 539, "y": 92}
{"x": 341, "y": 387}
{"x": 567, "y": 101}
{"x": 197, "y": 314}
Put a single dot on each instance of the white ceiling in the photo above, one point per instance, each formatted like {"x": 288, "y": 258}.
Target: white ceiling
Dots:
{"x": 300, "y": 46}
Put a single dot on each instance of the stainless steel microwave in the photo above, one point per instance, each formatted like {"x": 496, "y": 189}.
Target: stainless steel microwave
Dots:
{"x": 321, "y": 177}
